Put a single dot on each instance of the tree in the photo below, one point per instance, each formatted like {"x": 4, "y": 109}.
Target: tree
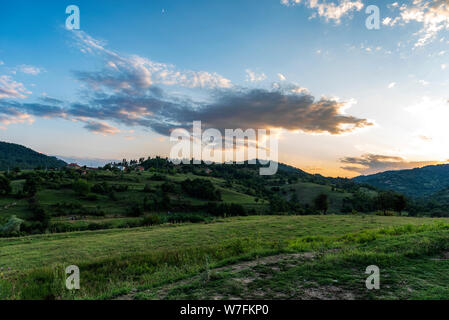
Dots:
{"x": 384, "y": 201}
{"x": 322, "y": 203}
{"x": 81, "y": 187}
{"x": 399, "y": 203}
{"x": 5, "y": 186}
{"x": 31, "y": 186}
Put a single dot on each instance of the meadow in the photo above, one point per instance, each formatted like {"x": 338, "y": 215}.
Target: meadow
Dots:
{"x": 268, "y": 257}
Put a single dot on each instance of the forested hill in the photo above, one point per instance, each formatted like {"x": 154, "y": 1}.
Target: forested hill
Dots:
{"x": 418, "y": 182}
{"x": 17, "y": 156}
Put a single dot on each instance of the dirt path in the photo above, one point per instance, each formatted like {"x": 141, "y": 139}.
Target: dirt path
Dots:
{"x": 288, "y": 260}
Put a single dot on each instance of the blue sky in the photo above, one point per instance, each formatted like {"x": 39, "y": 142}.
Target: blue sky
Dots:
{"x": 358, "y": 100}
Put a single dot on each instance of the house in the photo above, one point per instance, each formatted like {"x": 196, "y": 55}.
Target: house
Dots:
{"x": 73, "y": 166}
{"x": 207, "y": 170}
{"x": 140, "y": 169}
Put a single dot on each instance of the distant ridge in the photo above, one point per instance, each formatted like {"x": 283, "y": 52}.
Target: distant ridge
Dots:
{"x": 17, "y": 156}
{"x": 416, "y": 182}
{"x": 89, "y": 162}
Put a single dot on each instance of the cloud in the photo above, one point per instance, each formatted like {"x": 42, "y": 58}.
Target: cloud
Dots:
{"x": 373, "y": 163}
{"x": 134, "y": 73}
{"x": 281, "y": 77}
{"x": 251, "y": 76}
{"x": 391, "y": 85}
{"x": 30, "y": 69}
{"x": 101, "y": 128}
{"x": 125, "y": 93}
{"x": 387, "y": 21}
{"x": 10, "y": 116}
{"x": 329, "y": 10}
{"x": 244, "y": 108}
{"x": 12, "y": 89}
{"x": 433, "y": 16}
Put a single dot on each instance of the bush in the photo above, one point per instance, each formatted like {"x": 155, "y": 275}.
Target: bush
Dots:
{"x": 147, "y": 188}
{"x": 92, "y": 197}
{"x": 12, "y": 227}
{"x": 201, "y": 189}
{"x": 151, "y": 220}
{"x": 5, "y": 186}
{"x": 81, "y": 187}
{"x": 101, "y": 188}
{"x": 185, "y": 217}
{"x": 31, "y": 186}
{"x": 158, "y": 177}
{"x": 134, "y": 211}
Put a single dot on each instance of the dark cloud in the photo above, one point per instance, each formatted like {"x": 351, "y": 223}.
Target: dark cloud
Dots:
{"x": 373, "y": 163}
{"x": 35, "y": 109}
{"x": 232, "y": 108}
{"x": 50, "y": 100}
{"x": 259, "y": 108}
{"x": 102, "y": 128}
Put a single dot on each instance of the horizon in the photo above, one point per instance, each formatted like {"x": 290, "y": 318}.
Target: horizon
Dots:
{"x": 98, "y": 162}
{"x": 343, "y": 99}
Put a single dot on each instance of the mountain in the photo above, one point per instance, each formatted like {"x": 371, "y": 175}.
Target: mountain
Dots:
{"x": 418, "y": 182}
{"x": 14, "y": 155}
{"x": 89, "y": 162}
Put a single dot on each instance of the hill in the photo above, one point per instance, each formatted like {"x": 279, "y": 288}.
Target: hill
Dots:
{"x": 17, "y": 156}
{"x": 418, "y": 182}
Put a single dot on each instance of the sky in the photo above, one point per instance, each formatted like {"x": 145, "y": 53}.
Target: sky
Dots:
{"x": 344, "y": 99}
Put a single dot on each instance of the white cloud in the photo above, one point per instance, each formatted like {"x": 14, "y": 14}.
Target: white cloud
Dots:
{"x": 391, "y": 85}
{"x": 251, "y": 76}
{"x": 281, "y": 77}
{"x": 329, "y": 10}
{"x": 433, "y": 15}
{"x": 390, "y": 22}
{"x": 30, "y": 69}
{"x": 443, "y": 66}
{"x": 134, "y": 72}
{"x": 12, "y": 89}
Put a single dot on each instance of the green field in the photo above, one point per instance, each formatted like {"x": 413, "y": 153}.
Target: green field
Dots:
{"x": 313, "y": 257}
{"x": 307, "y": 192}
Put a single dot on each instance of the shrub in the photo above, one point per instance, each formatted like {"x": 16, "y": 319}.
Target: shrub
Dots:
{"x": 147, "y": 188}
{"x": 185, "y": 217}
{"x": 151, "y": 220}
{"x": 101, "y": 188}
{"x": 31, "y": 186}
{"x": 81, "y": 187}
{"x": 201, "y": 189}
{"x": 134, "y": 210}
{"x": 12, "y": 227}
{"x": 92, "y": 197}
{"x": 5, "y": 186}
{"x": 157, "y": 177}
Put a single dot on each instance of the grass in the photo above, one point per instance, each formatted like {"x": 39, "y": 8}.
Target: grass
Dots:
{"x": 112, "y": 262}
{"x": 307, "y": 192}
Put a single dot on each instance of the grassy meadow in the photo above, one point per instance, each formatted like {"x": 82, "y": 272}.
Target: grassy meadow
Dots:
{"x": 318, "y": 256}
